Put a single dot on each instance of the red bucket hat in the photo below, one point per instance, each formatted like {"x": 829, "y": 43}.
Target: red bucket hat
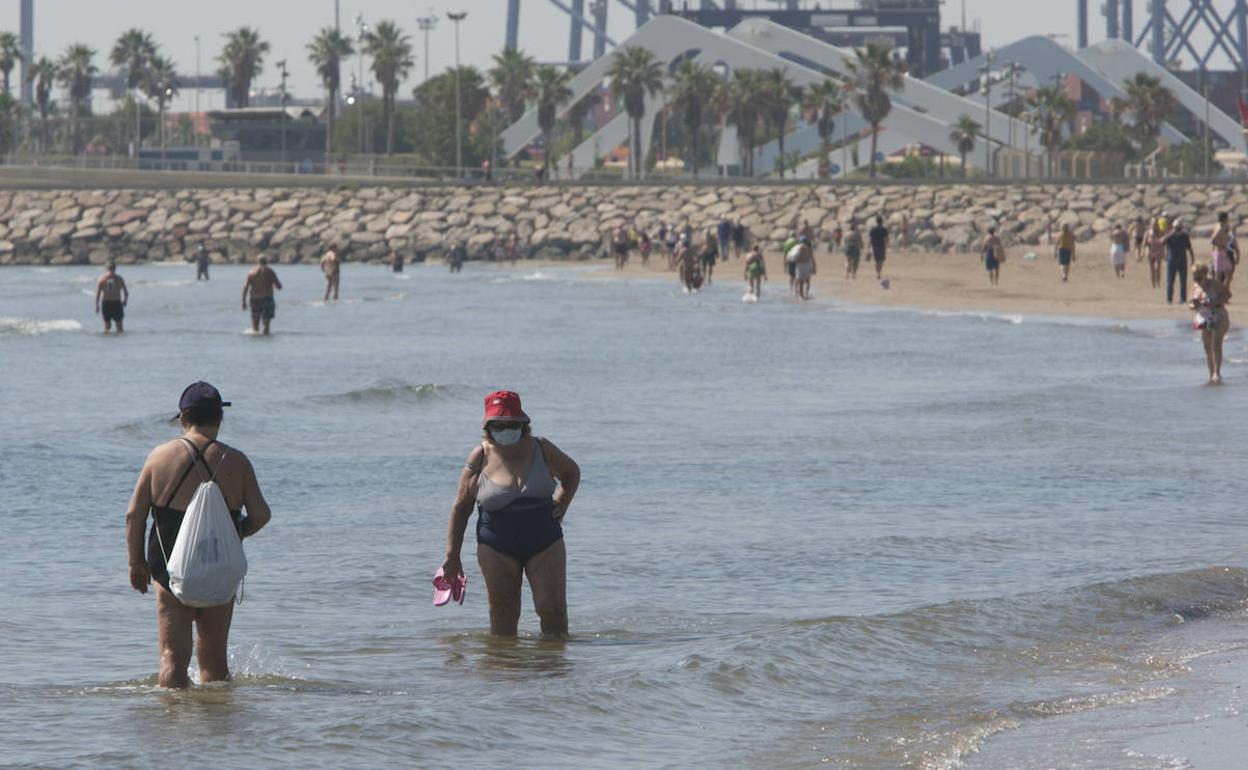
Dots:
{"x": 503, "y": 405}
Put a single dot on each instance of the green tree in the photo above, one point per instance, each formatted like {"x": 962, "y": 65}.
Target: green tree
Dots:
{"x": 780, "y": 94}
{"x": 550, "y": 90}
{"x": 822, "y": 102}
{"x": 43, "y": 75}
{"x": 695, "y": 92}
{"x": 431, "y": 133}
{"x": 132, "y": 52}
{"x": 743, "y": 102}
{"x": 963, "y": 135}
{"x": 1110, "y": 136}
{"x": 241, "y": 59}
{"x": 635, "y": 73}
{"x": 1150, "y": 105}
{"x": 391, "y": 52}
{"x": 1050, "y": 111}
{"x": 579, "y": 111}
{"x": 326, "y": 52}
{"x": 874, "y": 72}
{"x": 160, "y": 84}
{"x": 76, "y": 72}
{"x": 513, "y": 76}
{"x": 10, "y": 55}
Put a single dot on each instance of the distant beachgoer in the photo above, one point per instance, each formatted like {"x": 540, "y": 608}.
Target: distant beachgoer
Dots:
{"x": 1232, "y": 248}
{"x": 1155, "y": 248}
{"x": 1179, "y": 255}
{"x": 619, "y": 247}
{"x": 162, "y": 493}
{"x": 261, "y": 283}
{"x": 791, "y": 250}
{"x": 994, "y": 254}
{"x": 522, "y": 486}
{"x": 1066, "y": 250}
{"x": 644, "y": 249}
{"x": 202, "y": 260}
{"x": 755, "y": 271}
{"x": 838, "y": 237}
{"x": 879, "y": 245}
{"x": 111, "y": 298}
{"x": 1139, "y": 232}
{"x": 396, "y": 261}
{"x": 709, "y": 255}
{"x": 456, "y": 257}
{"x": 738, "y": 238}
{"x": 805, "y": 267}
{"x": 671, "y": 241}
{"x": 806, "y": 231}
{"x": 1209, "y": 298}
{"x": 1221, "y": 265}
{"x": 723, "y": 233}
{"x": 853, "y": 251}
{"x": 513, "y": 249}
{"x": 331, "y": 266}
{"x": 687, "y": 265}
{"x": 1163, "y": 222}
{"x": 1119, "y": 242}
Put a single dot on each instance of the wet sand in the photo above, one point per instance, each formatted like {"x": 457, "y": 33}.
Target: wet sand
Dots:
{"x": 958, "y": 282}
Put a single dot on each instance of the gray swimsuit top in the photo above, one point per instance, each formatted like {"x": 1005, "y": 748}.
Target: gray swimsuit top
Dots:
{"x": 540, "y": 485}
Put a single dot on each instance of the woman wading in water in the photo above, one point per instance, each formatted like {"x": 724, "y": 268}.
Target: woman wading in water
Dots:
{"x": 522, "y": 486}
{"x": 1209, "y": 298}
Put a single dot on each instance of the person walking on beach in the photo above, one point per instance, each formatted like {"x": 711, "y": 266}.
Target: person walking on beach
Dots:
{"x": 723, "y": 233}
{"x": 1155, "y": 247}
{"x": 261, "y": 283}
{"x": 1065, "y": 250}
{"x": 738, "y": 238}
{"x": 879, "y": 245}
{"x": 522, "y": 486}
{"x": 202, "y": 260}
{"x": 687, "y": 266}
{"x": 1138, "y": 231}
{"x": 1221, "y": 264}
{"x": 1119, "y": 241}
{"x": 644, "y": 249}
{"x": 755, "y": 271}
{"x": 853, "y": 252}
{"x": 672, "y": 243}
{"x": 331, "y": 266}
{"x": 163, "y": 493}
{"x": 619, "y": 246}
{"x": 709, "y": 255}
{"x": 805, "y": 267}
{"x": 994, "y": 254}
{"x": 1209, "y": 298}
{"x": 111, "y": 298}
{"x": 790, "y": 260}
{"x": 1179, "y": 255}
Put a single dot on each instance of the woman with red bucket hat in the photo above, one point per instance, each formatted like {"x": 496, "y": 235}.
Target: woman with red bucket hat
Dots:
{"x": 522, "y": 486}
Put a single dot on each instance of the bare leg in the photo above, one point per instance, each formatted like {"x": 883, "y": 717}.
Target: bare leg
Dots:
{"x": 173, "y": 632}
{"x": 1218, "y": 335}
{"x": 1206, "y": 338}
{"x": 336, "y": 280}
{"x": 329, "y": 282}
{"x": 547, "y": 573}
{"x": 255, "y": 323}
{"x": 212, "y": 631}
{"x": 502, "y": 575}
{"x": 120, "y": 328}
{"x": 266, "y": 327}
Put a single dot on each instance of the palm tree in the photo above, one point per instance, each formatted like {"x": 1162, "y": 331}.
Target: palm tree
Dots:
{"x": 391, "y": 52}
{"x": 1050, "y": 109}
{"x": 326, "y": 52}
{"x": 873, "y": 73}
{"x": 160, "y": 83}
{"x": 43, "y": 74}
{"x": 513, "y": 76}
{"x": 580, "y": 110}
{"x": 550, "y": 90}
{"x": 695, "y": 91}
{"x": 10, "y": 55}
{"x": 76, "y": 71}
{"x": 743, "y": 100}
{"x": 1149, "y": 103}
{"x": 963, "y": 135}
{"x": 822, "y": 103}
{"x": 780, "y": 95}
{"x": 132, "y": 52}
{"x": 635, "y": 73}
{"x": 10, "y": 112}
{"x": 241, "y": 59}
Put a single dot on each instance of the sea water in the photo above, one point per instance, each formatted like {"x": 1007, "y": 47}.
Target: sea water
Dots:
{"x": 807, "y": 533}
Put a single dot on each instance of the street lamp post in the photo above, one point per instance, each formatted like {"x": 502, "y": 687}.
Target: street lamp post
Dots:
{"x": 281, "y": 68}
{"x": 459, "y": 150}
{"x": 987, "y": 70}
{"x": 427, "y": 24}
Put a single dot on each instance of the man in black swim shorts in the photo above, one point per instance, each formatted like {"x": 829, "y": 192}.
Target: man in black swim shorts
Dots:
{"x": 111, "y": 296}
{"x": 261, "y": 283}
{"x": 878, "y": 236}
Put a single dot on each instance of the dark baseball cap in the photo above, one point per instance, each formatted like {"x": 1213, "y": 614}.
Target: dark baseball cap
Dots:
{"x": 200, "y": 394}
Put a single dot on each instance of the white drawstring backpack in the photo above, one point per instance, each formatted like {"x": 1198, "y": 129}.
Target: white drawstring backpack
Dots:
{"x": 207, "y": 564}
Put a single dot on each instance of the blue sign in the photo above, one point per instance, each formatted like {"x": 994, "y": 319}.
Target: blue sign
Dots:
{"x": 879, "y": 157}
{"x": 835, "y": 168}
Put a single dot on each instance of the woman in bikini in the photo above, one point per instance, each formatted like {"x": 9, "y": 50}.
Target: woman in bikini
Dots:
{"x": 522, "y": 486}
{"x": 171, "y": 474}
{"x": 1155, "y": 248}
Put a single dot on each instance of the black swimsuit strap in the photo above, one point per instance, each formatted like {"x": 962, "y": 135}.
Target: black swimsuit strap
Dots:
{"x": 197, "y": 457}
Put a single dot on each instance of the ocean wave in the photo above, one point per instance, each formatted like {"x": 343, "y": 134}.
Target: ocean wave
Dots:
{"x": 13, "y": 326}
{"x": 391, "y": 392}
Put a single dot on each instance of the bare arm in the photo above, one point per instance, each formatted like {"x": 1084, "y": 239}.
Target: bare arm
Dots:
{"x": 99, "y": 290}
{"x": 276, "y": 283}
{"x": 461, "y": 511}
{"x": 125, "y": 292}
{"x": 568, "y": 473}
{"x": 136, "y": 525}
{"x": 258, "y": 513}
{"x": 246, "y": 288}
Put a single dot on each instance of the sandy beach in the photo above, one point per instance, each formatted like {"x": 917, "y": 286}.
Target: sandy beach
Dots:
{"x": 958, "y": 282}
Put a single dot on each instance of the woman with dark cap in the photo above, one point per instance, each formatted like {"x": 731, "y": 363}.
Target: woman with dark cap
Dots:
{"x": 522, "y": 486}
{"x": 166, "y": 484}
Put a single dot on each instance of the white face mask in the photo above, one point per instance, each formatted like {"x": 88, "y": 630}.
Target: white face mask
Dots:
{"x": 505, "y": 436}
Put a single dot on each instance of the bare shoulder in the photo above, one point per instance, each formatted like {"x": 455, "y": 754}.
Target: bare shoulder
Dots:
{"x": 476, "y": 455}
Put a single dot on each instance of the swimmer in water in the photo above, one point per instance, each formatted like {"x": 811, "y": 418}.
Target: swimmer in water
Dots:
{"x": 111, "y": 298}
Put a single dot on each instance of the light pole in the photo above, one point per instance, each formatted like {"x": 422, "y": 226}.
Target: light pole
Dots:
{"x": 459, "y": 150}
{"x": 427, "y": 24}
{"x": 1205, "y": 154}
{"x": 363, "y": 37}
{"x": 197, "y": 83}
{"x": 281, "y": 68}
{"x": 987, "y": 70}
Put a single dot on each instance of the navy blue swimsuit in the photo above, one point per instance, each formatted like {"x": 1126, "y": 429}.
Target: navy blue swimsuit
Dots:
{"x": 519, "y": 522}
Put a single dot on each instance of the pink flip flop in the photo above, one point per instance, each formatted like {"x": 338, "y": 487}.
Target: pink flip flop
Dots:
{"x": 444, "y": 590}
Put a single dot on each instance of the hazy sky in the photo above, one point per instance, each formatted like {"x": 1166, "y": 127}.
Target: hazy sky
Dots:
{"x": 288, "y": 25}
